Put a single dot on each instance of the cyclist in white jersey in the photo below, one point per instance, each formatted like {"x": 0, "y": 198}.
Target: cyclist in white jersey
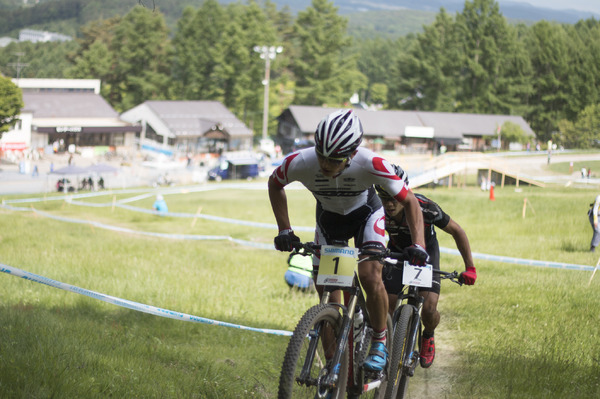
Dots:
{"x": 341, "y": 175}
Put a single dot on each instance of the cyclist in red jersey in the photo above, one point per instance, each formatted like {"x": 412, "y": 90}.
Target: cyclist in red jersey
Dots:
{"x": 341, "y": 175}
{"x": 397, "y": 226}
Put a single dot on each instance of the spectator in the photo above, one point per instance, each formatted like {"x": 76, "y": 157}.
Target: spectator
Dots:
{"x": 160, "y": 205}
{"x": 593, "y": 216}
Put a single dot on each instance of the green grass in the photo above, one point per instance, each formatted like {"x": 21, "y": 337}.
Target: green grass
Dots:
{"x": 520, "y": 332}
{"x": 565, "y": 167}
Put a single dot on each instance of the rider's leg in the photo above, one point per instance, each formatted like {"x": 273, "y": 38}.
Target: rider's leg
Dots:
{"x": 377, "y": 301}
{"x": 377, "y": 305}
{"x": 430, "y": 318}
{"x": 430, "y": 314}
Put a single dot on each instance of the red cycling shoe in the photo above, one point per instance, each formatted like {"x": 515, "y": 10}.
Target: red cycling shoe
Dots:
{"x": 427, "y": 352}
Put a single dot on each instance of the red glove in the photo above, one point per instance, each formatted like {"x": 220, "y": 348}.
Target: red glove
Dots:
{"x": 469, "y": 276}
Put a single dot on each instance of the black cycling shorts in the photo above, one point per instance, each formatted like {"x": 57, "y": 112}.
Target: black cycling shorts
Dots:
{"x": 392, "y": 276}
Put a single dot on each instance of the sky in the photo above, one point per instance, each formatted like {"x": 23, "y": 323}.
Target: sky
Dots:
{"x": 583, "y": 5}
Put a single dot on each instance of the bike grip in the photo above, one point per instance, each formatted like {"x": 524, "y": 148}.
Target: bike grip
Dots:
{"x": 398, "y": 255}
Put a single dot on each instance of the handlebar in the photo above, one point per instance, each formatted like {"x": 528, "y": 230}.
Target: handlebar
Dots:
{"x": 454, "y": 276}
{"x": 310, "y": 248}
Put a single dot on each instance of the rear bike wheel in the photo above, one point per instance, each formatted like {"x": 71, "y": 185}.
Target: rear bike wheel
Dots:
{"x": 398, "y": 380}
{"x": 328, "y": 320}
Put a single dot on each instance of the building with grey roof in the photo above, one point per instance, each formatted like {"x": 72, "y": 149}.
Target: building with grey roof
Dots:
{"x": 403, "y": 131}
{"x": 82, "y": 119}
{"x": 189, "y": 127}
{"x": 59, "y": 113}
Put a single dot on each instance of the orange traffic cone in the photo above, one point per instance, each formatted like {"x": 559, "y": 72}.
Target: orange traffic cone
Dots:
{"x": 492, "y": 198}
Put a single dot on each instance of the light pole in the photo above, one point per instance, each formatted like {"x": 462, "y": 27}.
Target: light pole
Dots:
{"x": 267, "y": 53}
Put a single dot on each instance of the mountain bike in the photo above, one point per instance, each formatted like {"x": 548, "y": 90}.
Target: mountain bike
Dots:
{"x": 407, "y": 325}
{"x": 328, "y": 346}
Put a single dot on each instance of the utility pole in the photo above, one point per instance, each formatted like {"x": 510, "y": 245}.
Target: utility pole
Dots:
{"x": 267, "y": 53}
{"x": 18, "y": 65}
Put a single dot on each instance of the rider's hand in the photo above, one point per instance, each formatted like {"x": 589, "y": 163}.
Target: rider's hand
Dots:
{"x": 283, "y": 242}
{"x": 417, "y": 255}
{"x": 468, "y": 276}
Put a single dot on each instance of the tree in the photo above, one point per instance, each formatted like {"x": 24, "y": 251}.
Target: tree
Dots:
{"x": 38, "y": 60}
{"x": 494, "y": 63}
{"x": 11, "y": 103}
{"x": 94, "y": 59}
{"x": 370, "y": 53}
{"x": 324, "y": 64}
{"x": 512, "y": 133}
{"x": 378, "y": 93}
{"x": 195, "y": 55}
{"x": 141, "y": 67}
{"x": 547, "y": 45}
{"x": 584, "y": 132}
{"x": 426, "y": 76}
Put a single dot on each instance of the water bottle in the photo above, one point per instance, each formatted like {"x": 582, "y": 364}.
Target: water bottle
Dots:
{"x": 359, "y": 321}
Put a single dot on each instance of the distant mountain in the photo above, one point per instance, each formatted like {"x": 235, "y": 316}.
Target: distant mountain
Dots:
{"x": 367, "y": 18}
{"x": 511, "y": 10}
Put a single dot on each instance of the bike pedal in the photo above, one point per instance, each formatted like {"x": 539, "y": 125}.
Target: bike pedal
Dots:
{"x": 374, "y": 375}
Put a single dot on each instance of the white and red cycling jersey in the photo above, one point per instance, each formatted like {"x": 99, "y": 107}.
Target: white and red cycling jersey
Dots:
{"x": 347, "y": 204}
{"x": 347, "y": 191}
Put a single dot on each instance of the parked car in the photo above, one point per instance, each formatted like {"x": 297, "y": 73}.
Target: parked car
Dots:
{"x": 235, "y": 168}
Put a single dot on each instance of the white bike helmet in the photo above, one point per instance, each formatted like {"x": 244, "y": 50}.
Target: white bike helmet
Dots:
{"x": 339, "y": 134}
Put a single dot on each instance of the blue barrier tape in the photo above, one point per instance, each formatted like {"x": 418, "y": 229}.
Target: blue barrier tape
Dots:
{"x": 154, "y": 234}
{"x": 495, "y": 258}
{"x": 132, "y": 305}
{"x": 518, "y": 261}
{"x": 122, "y": 204}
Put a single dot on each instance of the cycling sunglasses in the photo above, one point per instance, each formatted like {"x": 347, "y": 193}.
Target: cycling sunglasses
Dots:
{"x": 331, "y": 159}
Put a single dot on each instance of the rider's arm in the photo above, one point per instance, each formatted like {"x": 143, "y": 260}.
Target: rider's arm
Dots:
{"x": 414, "y": 218}
{"x": 279, "y": 205}
{"x": 461, "y": 240}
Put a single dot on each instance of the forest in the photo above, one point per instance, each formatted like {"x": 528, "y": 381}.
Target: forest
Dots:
{"x": 473, "y": 61}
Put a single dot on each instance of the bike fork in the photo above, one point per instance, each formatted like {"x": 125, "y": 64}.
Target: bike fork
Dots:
{"x": 331, "y": 379}
{"x": 410, "y": 362}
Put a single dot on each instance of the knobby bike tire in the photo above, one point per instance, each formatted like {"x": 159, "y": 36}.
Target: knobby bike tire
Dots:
{"x": 361, "y": 354}
{"x": 325, "y": 315}
{"x": 398, "y": 381}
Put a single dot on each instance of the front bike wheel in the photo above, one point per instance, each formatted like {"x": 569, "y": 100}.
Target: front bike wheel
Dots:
{"x": 328, "y": 320}
{"x": 398, "y": 380}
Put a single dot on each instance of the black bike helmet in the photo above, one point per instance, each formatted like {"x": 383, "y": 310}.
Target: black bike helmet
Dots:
{"x": 401, "y": 174}
{"x": 339, "y": 134}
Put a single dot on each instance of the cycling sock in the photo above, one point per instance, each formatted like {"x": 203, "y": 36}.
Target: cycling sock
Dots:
{"x": 427, "y": 335}
{"x": 380, "y": 336}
